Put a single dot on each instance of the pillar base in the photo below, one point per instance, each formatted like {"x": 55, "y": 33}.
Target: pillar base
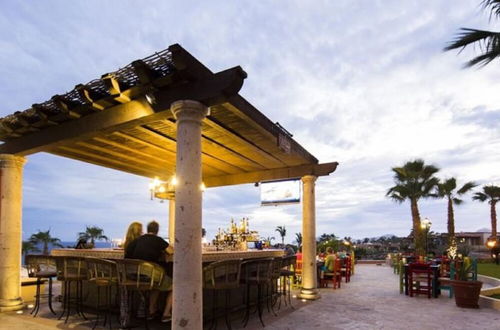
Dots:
{"x": 309, "y": 294}
{"x": 11, "y": 305}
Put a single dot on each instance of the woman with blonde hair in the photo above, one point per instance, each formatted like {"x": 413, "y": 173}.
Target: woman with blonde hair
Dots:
{"x": 134, "y": 231}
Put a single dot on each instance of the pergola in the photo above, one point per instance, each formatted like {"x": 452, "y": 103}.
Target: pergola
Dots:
{"x": 164, "y": 115}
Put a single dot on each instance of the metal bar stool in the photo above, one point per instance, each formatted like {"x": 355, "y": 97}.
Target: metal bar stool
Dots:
{"x": 103, "y": 273}
{"x": 222, "y": 276}
{"x": 272, "y": 284}
{"x": 255, "y": 273}
{"x": 72, "y": 270}
{"x": 139, "y": 276}
{"x": 41, "y": 267}
{"x": 288, "y": 266}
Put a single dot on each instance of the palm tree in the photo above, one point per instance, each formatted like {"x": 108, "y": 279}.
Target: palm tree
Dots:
{"x": 282, "y": 231}
{"x": 414, "y": 180}
{"x": 488, "y": 41}
{"x": 93, "y": 233}
{"x": 491, "y": 193}
{"x": 446, "y": 189}
{"x": 298, "y": 239}
{"x": 29, "y": 247}
{"x": 45, "y": 238}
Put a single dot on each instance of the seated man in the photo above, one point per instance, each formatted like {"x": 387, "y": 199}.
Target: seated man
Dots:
{"x": 329, "y": 260}
{"x": 152, "y": 248}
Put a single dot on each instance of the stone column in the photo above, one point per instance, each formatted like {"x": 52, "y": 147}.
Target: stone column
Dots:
{"x": 309, "y": 270}
{"x": 171, "y": 222}
{"x": 11, "y": 191}
{"x": 187, "y": 287}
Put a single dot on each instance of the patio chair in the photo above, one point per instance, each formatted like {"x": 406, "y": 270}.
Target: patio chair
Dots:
{"x": 288, "y": 272}
{"x": 446, "y": 275}
{"x": 335, "y": 275}
{"x": 420, "y": 279}
{"x": 346, "y": 269}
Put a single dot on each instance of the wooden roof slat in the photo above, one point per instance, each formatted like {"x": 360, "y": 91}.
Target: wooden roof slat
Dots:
{"x": 132, "y": 150}
{"x": 255, "y": 150}
{"x": 221, "y": 151}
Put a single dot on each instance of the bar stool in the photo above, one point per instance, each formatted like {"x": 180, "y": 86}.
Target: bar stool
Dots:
{"x": 222, "y": 276}
{"x": 272, "y": 284}
{"x": 288, "y": 266}
{"x": 41, "y": 267}
{"x": 103, "y": 273}
{"x": 256, "y": 273}
{"x": 72, "y": 270}
{"x": 139, "y": 276}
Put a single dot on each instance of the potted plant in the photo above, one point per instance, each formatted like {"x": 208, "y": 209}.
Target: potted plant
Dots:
{"x": 466, "y": 291}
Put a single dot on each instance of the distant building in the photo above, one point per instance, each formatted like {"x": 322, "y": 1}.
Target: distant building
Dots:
{"x": 476, "y": 240}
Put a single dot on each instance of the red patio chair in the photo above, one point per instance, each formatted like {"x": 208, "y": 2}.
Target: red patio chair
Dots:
{"x": 420, "y": 279}
{"x": 346, "y": 269}
{"x": 335, "y": 276}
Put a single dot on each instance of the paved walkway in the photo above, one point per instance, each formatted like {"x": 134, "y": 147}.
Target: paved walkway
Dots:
{"x": 370, "y": 301}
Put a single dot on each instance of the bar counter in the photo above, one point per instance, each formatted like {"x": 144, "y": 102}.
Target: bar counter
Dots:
{"x": 208, "y": 256}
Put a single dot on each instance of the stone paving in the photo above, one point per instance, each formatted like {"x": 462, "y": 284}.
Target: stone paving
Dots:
{"x": 370, "y": 301}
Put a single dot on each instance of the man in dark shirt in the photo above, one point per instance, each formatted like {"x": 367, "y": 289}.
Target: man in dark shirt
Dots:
{"x": 152, "y": 248}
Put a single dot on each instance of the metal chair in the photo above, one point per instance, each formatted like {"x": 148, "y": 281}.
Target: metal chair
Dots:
{"x": 222, "y": 276}
{"x": 72, "y": 270}
{"x": 139, "y": 276}
{"x": 255, "y": 273}
{"x": 103, "y": 273}
{"x": 41, "y": 267}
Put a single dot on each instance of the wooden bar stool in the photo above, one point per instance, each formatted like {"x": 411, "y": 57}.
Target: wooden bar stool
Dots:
{"x": 222, "y": 276}
{"x": 41, "y": 267}
{"x": 72, "y": 270}
{"x": 288, "y": 266}
{"x": 139, "y": 276}
{"x": 103, "y": 273}
{"x": 256, "y": 273}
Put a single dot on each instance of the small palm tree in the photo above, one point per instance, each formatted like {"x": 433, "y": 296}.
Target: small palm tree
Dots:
{"x": 414, "y": 180}
{"x": 446, "y": 189}
{"x": 268, "y": 240}
{"x": 282, "y": 231}
{"x": 490, "y": 193}
{"x": 92, "y": 233}
{"x": 298, "y": 239}
{"x": 45, "y": 238}
{"x": 488, "y": 41}
{"x": 29, "y": 247}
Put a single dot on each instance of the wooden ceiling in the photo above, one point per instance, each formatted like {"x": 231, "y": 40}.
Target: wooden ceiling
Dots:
{"x": 123, "y": 121}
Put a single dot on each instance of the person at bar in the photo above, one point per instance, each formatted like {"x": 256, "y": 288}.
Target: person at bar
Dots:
{"x": 134, "y": 231}
{"x": 151, "y": 247}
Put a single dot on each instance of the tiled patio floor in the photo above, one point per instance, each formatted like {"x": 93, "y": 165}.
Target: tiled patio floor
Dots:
{"x": 370, "y": 301}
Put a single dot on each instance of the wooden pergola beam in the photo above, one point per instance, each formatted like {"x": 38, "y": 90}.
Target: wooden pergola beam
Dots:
{"x": 120, "y": 116}
{"x": 274, "y": 174}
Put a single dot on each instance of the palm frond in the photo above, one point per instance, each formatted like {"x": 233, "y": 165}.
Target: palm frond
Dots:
{"x": 488, "y": 42}
{"x": 457, "y": 201}
{"x": 479, "y": 196}
{"x": 494, "y": 6}
{"x": 466, "y": 187}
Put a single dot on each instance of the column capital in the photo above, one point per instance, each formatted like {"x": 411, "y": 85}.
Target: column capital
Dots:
{"x": 11, "y": 161}
{"x": 189, "y": 110}
{"x": 309, "y": 178}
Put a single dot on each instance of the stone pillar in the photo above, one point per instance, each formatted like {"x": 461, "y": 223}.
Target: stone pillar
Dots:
{"x": 309, "y": 270}
{"x": 171, "y": 222}
{"x": 11, "y": 191}
{"x": 187, "y": 287}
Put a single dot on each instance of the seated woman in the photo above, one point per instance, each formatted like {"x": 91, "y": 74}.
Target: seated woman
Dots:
{"x": 329, "y": 260}
{"x": 134, "y": 231}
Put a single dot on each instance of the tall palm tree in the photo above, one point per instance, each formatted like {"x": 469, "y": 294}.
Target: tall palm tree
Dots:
{"x": 491, "y": 193}
{"x": 488, "y": 41}
{"x": 29, "y": 247}
{"x": 45, "y": 238}
{"x": 447, "y": 189}
{"x": 298, "y": 239}
{"x": 93, "y": 233}
{"x": 414, "y": 180}
{"x": 282, "y": 231}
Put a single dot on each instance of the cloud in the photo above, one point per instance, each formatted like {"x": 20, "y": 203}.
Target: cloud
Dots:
{"x": 364, "y": 84}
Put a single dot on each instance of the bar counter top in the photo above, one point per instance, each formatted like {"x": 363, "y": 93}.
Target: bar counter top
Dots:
{"x": 208, "y": 256}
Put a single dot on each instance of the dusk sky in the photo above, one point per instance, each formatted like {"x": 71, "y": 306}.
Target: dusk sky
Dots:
{"x": 363, "y": 83}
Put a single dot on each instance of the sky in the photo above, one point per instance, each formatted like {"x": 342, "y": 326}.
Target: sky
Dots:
{"x": 363, "y": 83}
